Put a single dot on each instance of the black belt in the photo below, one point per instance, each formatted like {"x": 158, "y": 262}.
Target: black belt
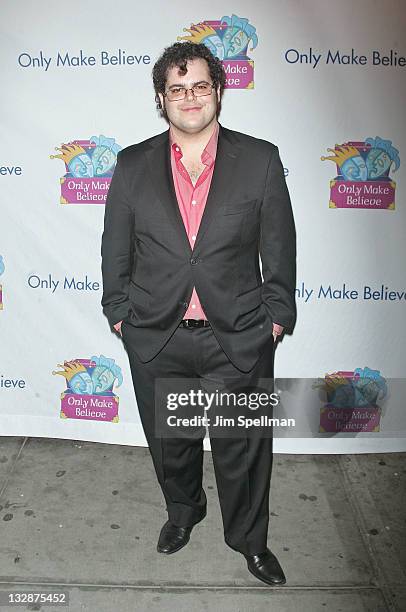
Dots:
{"x": 194, "y": 323}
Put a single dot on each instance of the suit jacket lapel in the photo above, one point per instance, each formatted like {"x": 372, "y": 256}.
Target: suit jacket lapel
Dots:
{"x": 159, "y": 162}
{"x": 222, "y": 180}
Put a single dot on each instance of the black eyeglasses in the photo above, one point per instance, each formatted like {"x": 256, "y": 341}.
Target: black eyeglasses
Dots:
{"x": 198, "y": 90}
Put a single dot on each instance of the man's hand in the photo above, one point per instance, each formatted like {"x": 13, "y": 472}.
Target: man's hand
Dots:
{"x": 277, "y": 330}
{"x": 117, "y": 327}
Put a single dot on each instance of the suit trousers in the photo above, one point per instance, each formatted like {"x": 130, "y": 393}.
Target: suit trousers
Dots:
{"x": 242, "y": 464}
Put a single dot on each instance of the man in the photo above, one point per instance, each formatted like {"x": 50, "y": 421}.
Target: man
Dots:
{"x": 187, "y": 213}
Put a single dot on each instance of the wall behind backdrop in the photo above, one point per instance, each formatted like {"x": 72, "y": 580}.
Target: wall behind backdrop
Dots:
{"x": 324, "y": 81}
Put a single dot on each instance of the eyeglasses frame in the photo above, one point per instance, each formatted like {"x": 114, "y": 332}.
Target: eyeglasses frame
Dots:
{"x": 187, "y": 89}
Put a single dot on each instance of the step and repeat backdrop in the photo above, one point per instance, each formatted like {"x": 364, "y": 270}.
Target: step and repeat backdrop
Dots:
{"x": 325, "y": 82}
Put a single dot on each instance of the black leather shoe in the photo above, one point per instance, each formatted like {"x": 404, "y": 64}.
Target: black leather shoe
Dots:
{"x": 265, "y": 567}
{"x": 173, "y": 538}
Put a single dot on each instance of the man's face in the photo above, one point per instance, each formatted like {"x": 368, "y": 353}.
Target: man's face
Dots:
{"x": 191, "y": 114}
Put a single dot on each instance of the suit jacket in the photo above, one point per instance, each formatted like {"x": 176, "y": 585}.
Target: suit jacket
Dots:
{"x": 149, "y": 268}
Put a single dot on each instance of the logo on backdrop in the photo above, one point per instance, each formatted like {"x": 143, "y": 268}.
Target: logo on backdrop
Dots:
{"x": 341, "y": 57}
{"x": 12, "y": 383}
{"x": 348, "y": 292}
{"x": 2, "y": 268}
{"x": 363, "y": 179}
{"x": 81, "y": 59}
{"x": 11, "y": 170}
{"x": 67, "y": 283}
{"x": 228, "y": 39}
{"x": 89, "y": 389}
{"x": 89, "y": 166}
{"x": 352, "y": 401}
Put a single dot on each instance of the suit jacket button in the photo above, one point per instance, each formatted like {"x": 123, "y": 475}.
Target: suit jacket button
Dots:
{"x": 193, "y": 261}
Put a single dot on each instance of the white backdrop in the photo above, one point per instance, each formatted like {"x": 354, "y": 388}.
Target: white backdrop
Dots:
{"x": 312, "y": 90}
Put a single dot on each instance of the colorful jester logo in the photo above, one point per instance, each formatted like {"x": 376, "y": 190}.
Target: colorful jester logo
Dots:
{"x": 89, "y": 391}
{"x": 352, "y": 401}
{"x": 363, "y": 179}
{"x": 89, "y": 166}
{"x": 1, "y": 286}
{"x": 228, "y": 39}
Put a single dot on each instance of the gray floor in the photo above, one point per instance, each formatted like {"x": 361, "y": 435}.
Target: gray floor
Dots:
{"x": 84, "y": 518}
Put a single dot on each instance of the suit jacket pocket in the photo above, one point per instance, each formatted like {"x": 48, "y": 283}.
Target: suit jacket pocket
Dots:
{"x": 239, "y": 207}
{"x": 250, "y": 300}
{"x": 138, "y": 295}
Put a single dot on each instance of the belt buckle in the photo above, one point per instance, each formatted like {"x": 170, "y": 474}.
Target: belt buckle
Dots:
{"x": 194, "y": 323}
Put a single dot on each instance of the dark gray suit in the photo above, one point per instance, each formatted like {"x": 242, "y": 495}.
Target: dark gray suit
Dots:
{"x": 149, "y": 271}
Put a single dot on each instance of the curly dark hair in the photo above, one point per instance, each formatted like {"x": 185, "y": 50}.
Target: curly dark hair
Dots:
{"x": 178, "y": 55}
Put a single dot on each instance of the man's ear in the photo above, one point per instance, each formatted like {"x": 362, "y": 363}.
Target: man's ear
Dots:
{"x": 218, "y": 95}
{"x": 159, "y": 99}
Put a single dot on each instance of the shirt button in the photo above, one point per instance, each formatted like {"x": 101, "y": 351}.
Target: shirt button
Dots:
{"x": 194, "y": 202}
{"x": 176, "y": 148}
{"x": 193, "y": 237}
{"x": 193, "y": 305}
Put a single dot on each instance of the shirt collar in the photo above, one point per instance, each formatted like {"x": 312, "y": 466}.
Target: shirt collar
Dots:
{"x": 209, "y": 152}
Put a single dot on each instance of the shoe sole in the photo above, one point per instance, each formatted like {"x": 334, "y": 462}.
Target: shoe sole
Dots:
{"x": 281, "y": 583}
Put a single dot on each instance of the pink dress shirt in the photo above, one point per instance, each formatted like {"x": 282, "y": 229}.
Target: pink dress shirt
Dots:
{"x": 192, "y": 200}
